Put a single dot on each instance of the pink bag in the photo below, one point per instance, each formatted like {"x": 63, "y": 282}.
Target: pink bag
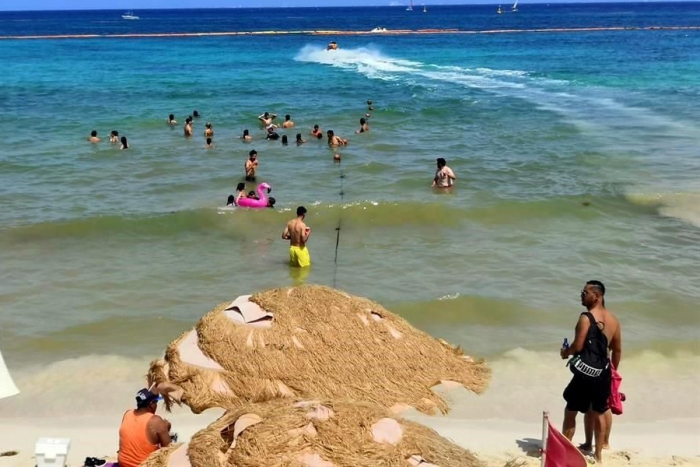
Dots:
{"x": 616, "y": 397}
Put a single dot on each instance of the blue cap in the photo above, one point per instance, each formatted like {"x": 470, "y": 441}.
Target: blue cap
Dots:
{"x": 144, "y": 398}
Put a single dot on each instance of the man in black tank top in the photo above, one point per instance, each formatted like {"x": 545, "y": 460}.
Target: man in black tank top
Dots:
{"x": 597, "y": 331}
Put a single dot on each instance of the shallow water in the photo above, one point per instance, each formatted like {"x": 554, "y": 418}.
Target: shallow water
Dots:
{"x": 576, "y": 159}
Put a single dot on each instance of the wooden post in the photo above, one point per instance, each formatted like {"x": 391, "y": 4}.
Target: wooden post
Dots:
{"x": 545, "y": 431}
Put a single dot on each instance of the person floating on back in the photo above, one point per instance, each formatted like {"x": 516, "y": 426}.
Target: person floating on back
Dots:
{"x": 142, "y": 432}
{"x": 597, "y": 331}
{"x": 297, "y": 232}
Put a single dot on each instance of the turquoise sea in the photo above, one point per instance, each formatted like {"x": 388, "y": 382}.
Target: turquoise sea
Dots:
{"x": 576, "y": 155}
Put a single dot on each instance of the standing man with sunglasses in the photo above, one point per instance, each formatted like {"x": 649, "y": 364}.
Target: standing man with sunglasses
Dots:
{"x": 597, "y": 331}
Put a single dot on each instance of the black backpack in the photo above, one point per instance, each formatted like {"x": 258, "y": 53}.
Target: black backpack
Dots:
{"x": 593, "y": 360}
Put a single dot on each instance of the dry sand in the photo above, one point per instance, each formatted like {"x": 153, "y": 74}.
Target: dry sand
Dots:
{"x": 660, "y": 427}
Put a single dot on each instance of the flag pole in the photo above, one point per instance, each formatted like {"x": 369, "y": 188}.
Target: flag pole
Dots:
{"x": 545, "y": 423}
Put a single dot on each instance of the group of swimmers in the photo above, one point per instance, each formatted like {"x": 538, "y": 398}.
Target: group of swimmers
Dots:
{"x": 113, "y": 138}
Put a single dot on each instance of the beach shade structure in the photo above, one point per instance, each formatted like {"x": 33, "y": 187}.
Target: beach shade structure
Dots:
{"x": 311, "y": 342}
{"x": 314, "y": 434}
{"x": 7, "y": 386}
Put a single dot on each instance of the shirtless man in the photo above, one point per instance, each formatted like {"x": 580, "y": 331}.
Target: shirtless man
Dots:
{"x": 251, "y": 166}
{"x": 298, "y": 233}
{"x": 267, "y": 118}
{"x": 93, "y": 137}
{"x": 589, "y": 394}
{"x": 288, "y": 123}
{"x": 188, "y": 128}
{"x": 444, "y": 176}
{"x": 335, "y": 141}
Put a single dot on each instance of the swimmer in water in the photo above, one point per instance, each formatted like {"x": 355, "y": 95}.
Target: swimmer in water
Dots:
{"x": 195, "y": 114}
{"x": 267, "y": 118}
{"x": 251, "y": 166}
{"x": 93, "y": 138}
{"x": 370, "y": 107}
{"x": 316, "y": 131}
{"x": 444, "y": 176}
{"x": 208, "y": 130}
{"x": 271, "y": 202}
{"x": 125, "y": 143}
{"x": 246, "y": 136}
{"x": 171, "y": 120}
{"x": 364, "y": 126}
{"x": 335, "y": 141}
{"x": 285, "y": 140}
{"x": 188, "y": 128}
{"x": 288, "y": 123}
{"x": 231, "y": 201}
{"x": 240, "y": 193}
{"x": 271, "y": 133}
{"x": 297, "y": 232}
{"x": 114, "y": 137}
{"x": 300, "y": 141}
{"x": 209, "y": 144}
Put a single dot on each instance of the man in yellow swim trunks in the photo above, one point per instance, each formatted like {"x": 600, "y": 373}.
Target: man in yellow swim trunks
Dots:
{"x": 298, "y": 233}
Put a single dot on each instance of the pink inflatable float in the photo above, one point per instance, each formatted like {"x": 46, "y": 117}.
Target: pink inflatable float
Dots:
{"x": 264, "y": 202}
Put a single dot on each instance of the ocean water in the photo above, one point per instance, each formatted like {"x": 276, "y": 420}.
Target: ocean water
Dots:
{"x": 575, "y": 152}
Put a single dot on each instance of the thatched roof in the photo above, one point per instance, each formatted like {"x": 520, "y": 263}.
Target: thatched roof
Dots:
{"x": 314, "y": 434}
{"x": 312, "y": 342}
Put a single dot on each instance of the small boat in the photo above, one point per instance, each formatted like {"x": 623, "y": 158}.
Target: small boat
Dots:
{"x": 425, "y": 9}
{"x": 410, "y": 6}
{"x": 499, "y": 11}
{"x": 379, "y": 29}
{"x": 514, "y": 8}
{"x": 129, "y": 15}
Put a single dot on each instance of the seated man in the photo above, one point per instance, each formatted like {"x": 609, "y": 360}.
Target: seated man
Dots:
{"x": 142, "y": 431}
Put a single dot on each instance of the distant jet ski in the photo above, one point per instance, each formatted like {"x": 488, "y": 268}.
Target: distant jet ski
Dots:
{"x": 332, "y": 46}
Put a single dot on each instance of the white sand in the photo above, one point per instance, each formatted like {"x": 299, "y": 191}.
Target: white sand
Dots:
{"x": 496, "y": 441}
{"x": 660, "y": 427}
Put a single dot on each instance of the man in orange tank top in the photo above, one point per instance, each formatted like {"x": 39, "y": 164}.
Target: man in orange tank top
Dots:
{"x": 142, "y": 431}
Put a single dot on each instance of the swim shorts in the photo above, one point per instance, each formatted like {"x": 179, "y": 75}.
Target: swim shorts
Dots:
{"x": 299, "y": 257}
{"x": 584, "y": 393}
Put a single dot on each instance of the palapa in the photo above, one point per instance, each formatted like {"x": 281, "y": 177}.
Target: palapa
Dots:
{"x": 282, "y": 433}
{"x": 312, "y": 342}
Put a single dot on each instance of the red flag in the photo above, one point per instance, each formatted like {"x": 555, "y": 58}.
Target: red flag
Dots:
{"x": 560, "y": 452}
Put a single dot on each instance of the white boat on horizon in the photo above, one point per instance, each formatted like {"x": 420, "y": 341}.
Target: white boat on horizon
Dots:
{"x": 130, "y": 15}
{"x": 379, "y": 29}
{"x": 410, "y": 6}
{"x": 514, "y": 8}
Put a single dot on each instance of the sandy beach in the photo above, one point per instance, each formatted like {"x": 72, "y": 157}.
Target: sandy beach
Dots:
{"x": 498, "y": 426}
{"x": 673, "y": 443}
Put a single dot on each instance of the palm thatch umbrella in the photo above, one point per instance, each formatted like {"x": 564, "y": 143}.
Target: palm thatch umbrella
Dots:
{"x": 311, "y": 342}
{"x": 314, "y": 434}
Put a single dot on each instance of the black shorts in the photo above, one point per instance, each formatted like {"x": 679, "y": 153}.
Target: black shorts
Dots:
{"x": 584, "y": 393}
{"x": 249, "y": 178}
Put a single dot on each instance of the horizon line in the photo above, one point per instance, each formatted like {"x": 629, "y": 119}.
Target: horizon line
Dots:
{"x": 393, "y": 5}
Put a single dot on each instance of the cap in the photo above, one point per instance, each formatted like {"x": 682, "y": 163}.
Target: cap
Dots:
{"x": 144, "y": 398}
